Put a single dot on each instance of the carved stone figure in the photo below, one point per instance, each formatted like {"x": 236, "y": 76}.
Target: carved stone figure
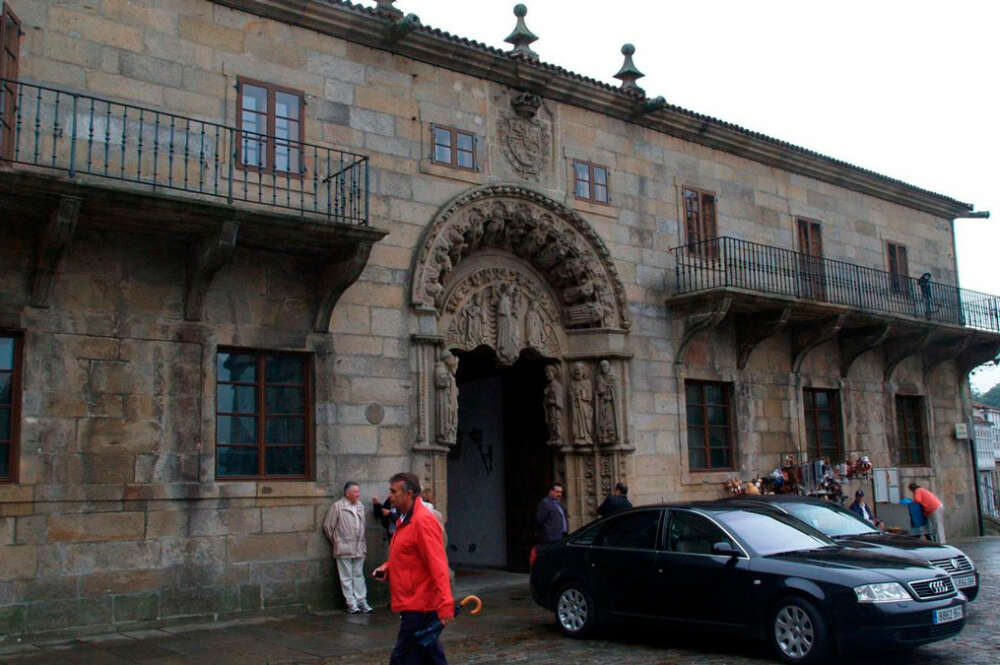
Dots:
{"x": 554, "y": 405}
{"x": 474, "y": 234}
{"x": 534, "y": 327}
{"x": 496, "y": 219}
{"x": 473, "y": 321}
{"x": 606, "y": 390}
{"x": 446, "y": 397}
{"x": 581, "y": 406}
{"x": 508, "y": 344}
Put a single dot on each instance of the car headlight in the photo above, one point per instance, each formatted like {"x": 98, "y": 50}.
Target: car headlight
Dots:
{"x": 886, "y": 592}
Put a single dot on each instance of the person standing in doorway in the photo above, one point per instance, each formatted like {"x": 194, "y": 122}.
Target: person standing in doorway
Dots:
{"x": 933, "y": 511}
{"x": 344, "y": 526}
{"x": 417, "y": 572}
{"x": 616, "y": 502}
{"x": 550, "y": 517}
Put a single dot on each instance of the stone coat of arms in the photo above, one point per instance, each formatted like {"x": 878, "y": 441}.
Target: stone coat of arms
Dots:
{"x": 524, "y": 138}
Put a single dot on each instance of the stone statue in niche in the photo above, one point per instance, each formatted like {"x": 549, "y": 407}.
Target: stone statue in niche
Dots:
{"x": 446, "y": 397}
{"x": 606, "y": 391}
{"x": 554, "y": 404}
{"x": 473, "y": 322}
{"x": 534, "y": 327}
{"x": 508, "y": 344}
{"x": 581, "y": 406}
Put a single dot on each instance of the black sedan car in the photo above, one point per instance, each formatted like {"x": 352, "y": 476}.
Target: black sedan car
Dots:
{"x": 848, "y": 528}
{"x": 752, "y": 570}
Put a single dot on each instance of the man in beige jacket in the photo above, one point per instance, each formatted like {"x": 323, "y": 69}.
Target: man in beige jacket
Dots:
{"x": 344, "y": 526}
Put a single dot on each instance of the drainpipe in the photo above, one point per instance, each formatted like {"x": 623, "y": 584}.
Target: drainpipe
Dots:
{"x": 975, "y": 476}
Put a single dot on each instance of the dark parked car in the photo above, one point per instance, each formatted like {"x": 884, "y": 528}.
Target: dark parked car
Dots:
{"x": 848, "y": 528}
{"x": 752, "y": 570}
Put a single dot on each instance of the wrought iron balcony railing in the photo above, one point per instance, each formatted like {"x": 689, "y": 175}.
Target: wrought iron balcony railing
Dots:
{"x": 726, "y": 262}
{"x": 83, "y": 135}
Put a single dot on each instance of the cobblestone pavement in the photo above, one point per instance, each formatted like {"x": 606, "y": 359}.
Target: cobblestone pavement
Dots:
{"x": 511, "y": 630}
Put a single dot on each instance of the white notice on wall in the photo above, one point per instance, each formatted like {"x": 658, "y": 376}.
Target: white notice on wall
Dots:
{"x": 886, "y": 482}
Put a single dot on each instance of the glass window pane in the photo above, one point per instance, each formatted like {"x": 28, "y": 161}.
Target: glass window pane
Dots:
{"x": 635, "y": 531}
{"x": 601, "y": 193}
{"x": 442, "y": 154}
{"x": 693, "y": 534}
{"x": 827, "y": 439}
{"x": 4, "y": 460}
{"x": 693, "y": 393}
{"x": 4, "y": 424}
{"x": 824, "y": 419}
{"x": 442, "y": 137}
{"x": 714, "y": 394}
{"x": 285, "y": 461}
{"x": 286, "y": 430}
{"x": 236, "y": 399}
{"x": 582, "y": 171}
{"x": 465, "y": 159}
{"x": 696, "y": 437}
{"x": 720, "y": 458}
{"x": 282, "y": 128}
{"x": 237, "y": 367}
{"x": 696, "y": 458}
{"x": 232, "y": 461}
{"x": 254, "y": 98}
{"x": 718, "y": 437}
{"x": 285, "y": 369}
{"x": 718, "y": 415}
{"x": 236, "y": 429}
{"x": 6, "y": 353}
{"x": 6, "y": 382}
{"x": 281, "y": 156}
{"x": 284, "y": 400}
{"x": 600, "y": 175}
{"x": 253, "y": 124}
{"x": 464, "y": 141}
{"x": 822, "y": 399}
{"x": 583, "y": 189}
{"x": 286, "y": 105}
{"x": 696, "y": 415}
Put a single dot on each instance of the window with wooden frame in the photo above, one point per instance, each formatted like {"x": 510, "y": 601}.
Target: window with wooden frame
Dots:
{"x": 911, "y": 444}
{"x": 822, "y": 416}
{"x": 263, "y": 424}
{"x": 699, "y": 222}
{"x": 270, "y": 127}
{"x": 10, "y": 49}
{"x": 453, "y": 147}
{"x": 10, "y": 404}
{"x": 899, "y": 268}
{"x": 709, "y": 425}
{"x": 590, "y": 182}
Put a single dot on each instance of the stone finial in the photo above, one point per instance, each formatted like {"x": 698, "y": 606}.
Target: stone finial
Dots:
{"x": 386, "y": 7}
{"x": 629, "y": 74}
{"x": 522, "y": 37}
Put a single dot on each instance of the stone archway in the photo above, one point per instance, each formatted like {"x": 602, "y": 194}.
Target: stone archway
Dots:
{"x": 508, "y": 268}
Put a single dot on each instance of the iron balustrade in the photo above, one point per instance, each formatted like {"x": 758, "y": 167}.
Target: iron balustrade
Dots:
{"x": 727, "y": 262}
{"x": 83, "y": 135}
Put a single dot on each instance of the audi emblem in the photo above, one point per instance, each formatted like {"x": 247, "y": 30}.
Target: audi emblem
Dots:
{"x": 955, "y": 563}
{"x": 938, "y": 586}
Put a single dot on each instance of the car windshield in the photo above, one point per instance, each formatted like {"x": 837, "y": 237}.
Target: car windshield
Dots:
{"x": 828, "y": 519}
{"x": 769, "y": 533}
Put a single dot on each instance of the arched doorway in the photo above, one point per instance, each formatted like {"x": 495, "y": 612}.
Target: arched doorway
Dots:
{"x": 508, "y": 284}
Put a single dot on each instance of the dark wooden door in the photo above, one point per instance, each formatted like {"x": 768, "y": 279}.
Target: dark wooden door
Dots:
{"x": 812, "y": 272}
{"x": 10, "y": 40}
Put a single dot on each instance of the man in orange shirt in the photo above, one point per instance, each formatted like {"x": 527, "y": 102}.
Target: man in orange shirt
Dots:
{"x": 933, "y": 509}
{"x": 417, "y": 571}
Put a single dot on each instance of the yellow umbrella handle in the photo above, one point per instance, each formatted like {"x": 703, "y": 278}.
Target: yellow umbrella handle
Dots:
{"x": 473, "y": 600}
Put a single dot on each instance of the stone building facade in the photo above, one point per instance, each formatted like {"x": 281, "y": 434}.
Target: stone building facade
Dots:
{"x": 511, "y": 276}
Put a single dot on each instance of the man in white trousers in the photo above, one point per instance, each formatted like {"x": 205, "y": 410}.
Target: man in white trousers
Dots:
{"x": 344, "y": 526}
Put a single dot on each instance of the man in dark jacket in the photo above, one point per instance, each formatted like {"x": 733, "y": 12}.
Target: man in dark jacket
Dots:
{"x": 551, "y": 516}
{"x": 616, "y": 502}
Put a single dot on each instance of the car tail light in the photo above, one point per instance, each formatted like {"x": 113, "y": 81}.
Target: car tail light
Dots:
{"x": 532, "y": 557}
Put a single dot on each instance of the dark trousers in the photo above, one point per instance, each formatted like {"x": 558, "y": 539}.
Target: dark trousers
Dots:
{"x": 407, "y": 651}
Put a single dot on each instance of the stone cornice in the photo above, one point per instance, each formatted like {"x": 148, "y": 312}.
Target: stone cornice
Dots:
{"x": 362, "y": 25}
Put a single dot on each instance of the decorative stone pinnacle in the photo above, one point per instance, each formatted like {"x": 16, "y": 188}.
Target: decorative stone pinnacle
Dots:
{"x": 386, "y": 7}
{"x": 629, "y": 74}
{"x": 522, "y": 37}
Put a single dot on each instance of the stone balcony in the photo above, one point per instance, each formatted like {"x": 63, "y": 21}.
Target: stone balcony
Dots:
{"x": 765, "y": 290}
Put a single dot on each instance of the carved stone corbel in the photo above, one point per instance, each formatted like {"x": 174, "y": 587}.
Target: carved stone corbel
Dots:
{"x": 696, "y": 322}
{"x": 53, "y": 240}
{"x": 808, "y": 338}
{"x": 855, "y": 342}
{"x": 943, "y": 349}
{"x": 752, "y": 329}
{"x": 209, "y": 255}
{"x": 334, "y": 278}
{"x": 901, "y": 348}
{"x": 975, "y": 355}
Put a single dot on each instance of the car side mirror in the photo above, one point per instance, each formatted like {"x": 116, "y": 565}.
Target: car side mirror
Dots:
{"x": 725, "y": 548}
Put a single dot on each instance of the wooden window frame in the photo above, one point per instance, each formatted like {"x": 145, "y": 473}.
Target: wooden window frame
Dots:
{"x": 902, "y": 433}
{"x": 261, "y": 384}
{"x": 706, "y": 229}
{"x": 811, "y": 416}
{"x": 17, "y": 372}
{"x": 9, "y": 70}
{"x": 591, "y": 183}
{"x": 727, "y": 390}
{"x": 269, "y": 134}
{"x": 453, "y": 148}
{"x": 898, "y": 266}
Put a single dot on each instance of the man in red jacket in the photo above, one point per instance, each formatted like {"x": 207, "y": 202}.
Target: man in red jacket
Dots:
{"x": 417, "y": 572}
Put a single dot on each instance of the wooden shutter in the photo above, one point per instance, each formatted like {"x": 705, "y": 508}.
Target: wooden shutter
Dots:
{"x": 10, "y": 48}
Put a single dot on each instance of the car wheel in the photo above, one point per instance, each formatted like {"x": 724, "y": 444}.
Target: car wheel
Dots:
{"x": 798, "y": 632}
{"x": 576, "y": 613}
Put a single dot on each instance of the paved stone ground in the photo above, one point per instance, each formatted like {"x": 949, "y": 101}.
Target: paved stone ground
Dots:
{"x": 512, "y": 630}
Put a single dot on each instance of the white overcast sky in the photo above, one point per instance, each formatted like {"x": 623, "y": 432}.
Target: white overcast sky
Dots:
{"x": 907, "y": 89}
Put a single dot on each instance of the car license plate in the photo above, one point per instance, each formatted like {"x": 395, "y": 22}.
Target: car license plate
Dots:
{"x": 948, "y": 614}
{"x": 965, "y": 581}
